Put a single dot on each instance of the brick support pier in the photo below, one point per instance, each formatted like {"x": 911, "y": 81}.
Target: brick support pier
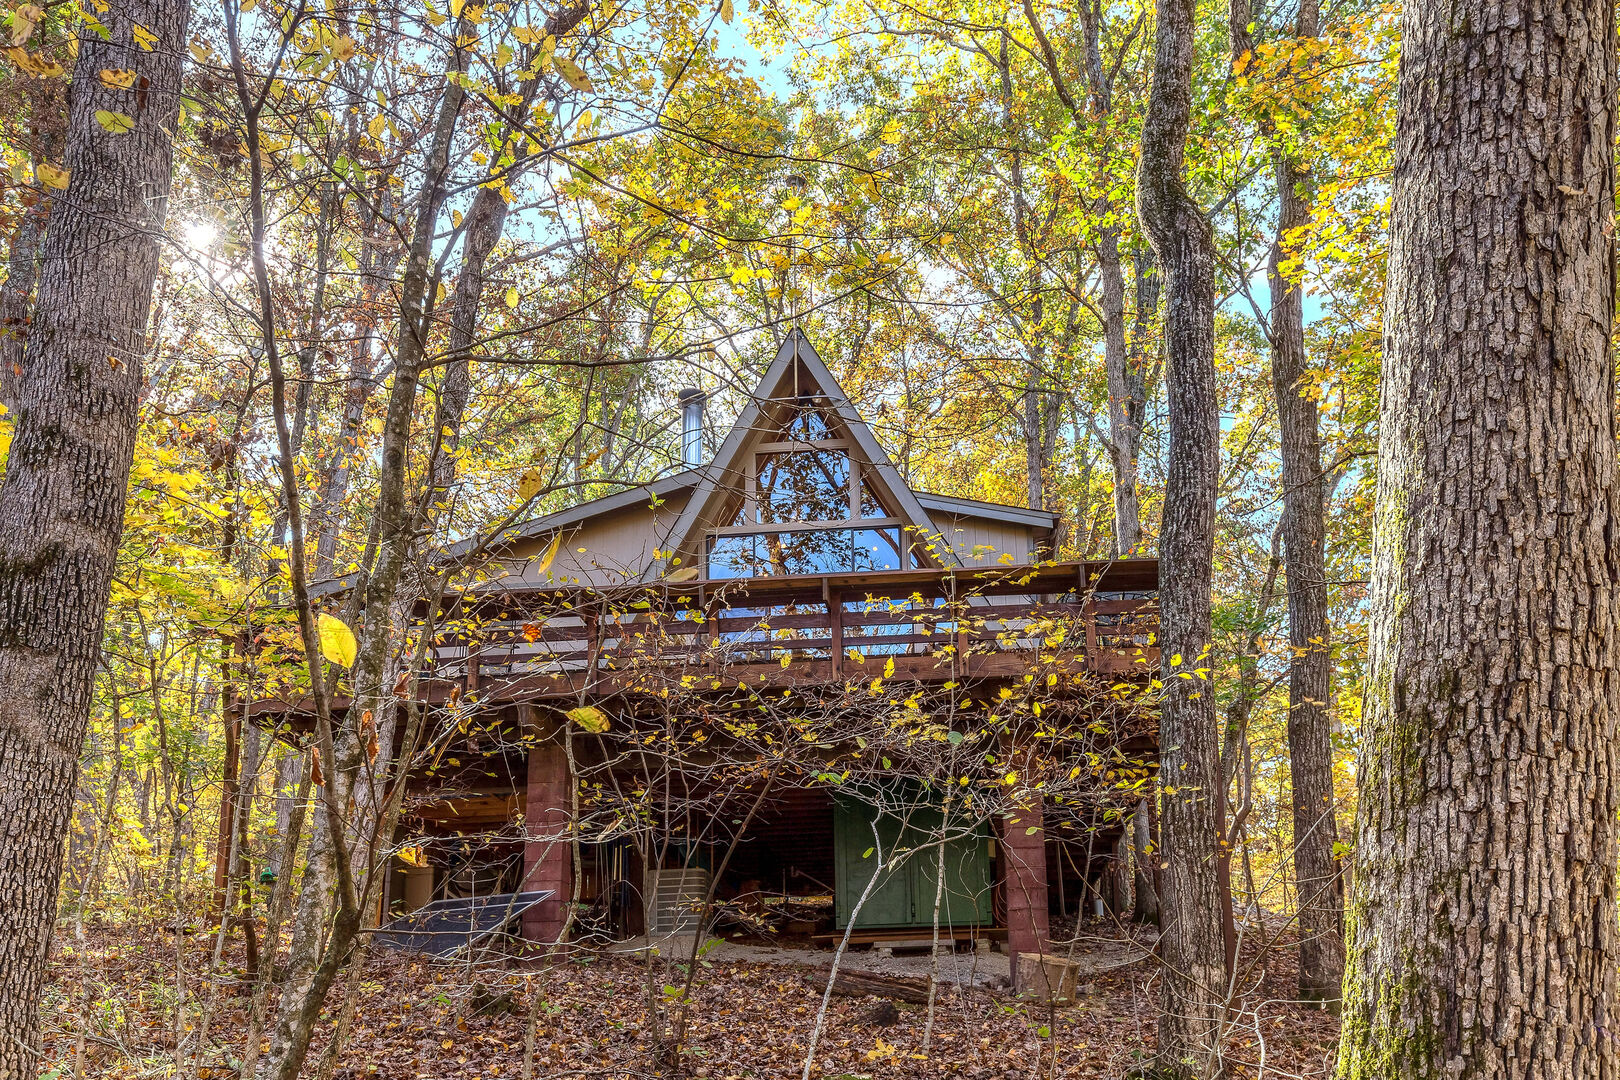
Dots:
{"x": 548, "y": 858}
{"x": 1025, "y": 855}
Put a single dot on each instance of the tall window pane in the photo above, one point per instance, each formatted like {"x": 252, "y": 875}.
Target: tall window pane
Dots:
{"x": 803, "y": 485}
{"x": 877, "y": 549}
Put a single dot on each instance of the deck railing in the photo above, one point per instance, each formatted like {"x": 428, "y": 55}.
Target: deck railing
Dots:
{"x": 505, "y": 643}
{"x": 929, "y": 627}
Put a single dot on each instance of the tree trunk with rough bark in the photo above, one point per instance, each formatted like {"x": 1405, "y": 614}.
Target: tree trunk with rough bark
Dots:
{"x": 1310, "y": 727}
{"x": 1192, "y": 898}
{"x": 1482, "y": 922}
{"x": 62, "y": 500}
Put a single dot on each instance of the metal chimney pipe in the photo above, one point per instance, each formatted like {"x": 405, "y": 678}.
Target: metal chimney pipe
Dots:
{"x": 691, "y": 400}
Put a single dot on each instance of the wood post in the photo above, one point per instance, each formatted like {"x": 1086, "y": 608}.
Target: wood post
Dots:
{"x": 1092, "y": 661}
{"x": 1023, "y": 842}
{"x": 835, "y": 623}
{"x": 711, "y": 620}
{"x": 548, "y": 856}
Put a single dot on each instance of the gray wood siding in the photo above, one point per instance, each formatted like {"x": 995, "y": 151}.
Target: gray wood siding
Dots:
{"x": 981, "y": 541}
{"x": 618, "y": 546}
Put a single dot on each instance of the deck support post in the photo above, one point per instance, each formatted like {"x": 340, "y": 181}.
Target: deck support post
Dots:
{"x": 1023, "y": 841}
{"x": 548, "y": 850}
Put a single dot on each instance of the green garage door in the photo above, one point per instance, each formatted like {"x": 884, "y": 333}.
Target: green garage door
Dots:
{"x": 904, "y": 896}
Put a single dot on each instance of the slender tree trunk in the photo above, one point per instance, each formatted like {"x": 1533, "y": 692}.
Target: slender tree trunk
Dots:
{"x": 1123, "y": 359}
{"x": 486, "y": 222}
{"x": 1124, "y": 437}
{"x": 1192, "y": 898}
{"x": 1310, "y": 728}
{"x": 1482, "y": 924}
{"x": 305, "y": 994}
{"x": 62, "y": 501}
{"x": 1144, "y": 856}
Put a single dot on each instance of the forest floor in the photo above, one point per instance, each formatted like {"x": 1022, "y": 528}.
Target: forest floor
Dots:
{"x": 136, "y": 1001}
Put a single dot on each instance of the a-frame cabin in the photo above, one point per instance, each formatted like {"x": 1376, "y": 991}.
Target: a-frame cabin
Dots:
{"x": 795, "y": 561}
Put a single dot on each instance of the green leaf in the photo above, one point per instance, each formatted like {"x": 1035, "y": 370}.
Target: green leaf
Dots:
{"x": 115, "y": 122}
{"x": 867, "y": 854}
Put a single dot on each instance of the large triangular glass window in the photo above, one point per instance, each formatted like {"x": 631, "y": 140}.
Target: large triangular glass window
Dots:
{"x": 809, "y": 503}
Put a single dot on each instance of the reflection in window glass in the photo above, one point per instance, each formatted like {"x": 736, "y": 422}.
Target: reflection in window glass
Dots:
{"x": 877, "y": 549}
{"x": 731, "y": 556}
{"x": 822, "y": 551}
{"x": 870, "y": 506}
{"x": 803, "y": 485}
{"x": 806, "y": 422}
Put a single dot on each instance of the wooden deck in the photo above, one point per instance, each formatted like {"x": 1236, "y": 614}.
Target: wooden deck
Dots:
{"x": 502, "y": 645}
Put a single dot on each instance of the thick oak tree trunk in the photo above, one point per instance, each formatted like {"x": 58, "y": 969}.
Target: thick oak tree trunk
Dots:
{"x": 1192, "y": 897}
{"x": 1482, "y": 923}
{"x": 62, "y": 500}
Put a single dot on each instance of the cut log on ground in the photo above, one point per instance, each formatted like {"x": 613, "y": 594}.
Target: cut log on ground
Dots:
{"x": 862, "y": 984}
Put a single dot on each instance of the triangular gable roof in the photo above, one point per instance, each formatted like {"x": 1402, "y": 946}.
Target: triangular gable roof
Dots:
{"x": 725, "y": 471}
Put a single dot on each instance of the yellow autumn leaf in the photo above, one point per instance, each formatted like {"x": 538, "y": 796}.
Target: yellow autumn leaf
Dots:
{"x": 529, "y": 484}
{"x": 888, "y": 668}
{"x": 590, "y": 718}
{"x": 573, "y": 73}
{"x": 143, "y": 37}
{"x": 30, "y": 64}
{"x": 51, "y": 176}
{"x": 23, "y": 22}
{"x": 551, "y": 554}
{"x": 118, "y": 78}
{"x": 512, "y": 297}
{"x": 685, "y": 573}
{"x": 726, "y": 10}
{"x": 337, "y": 640}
